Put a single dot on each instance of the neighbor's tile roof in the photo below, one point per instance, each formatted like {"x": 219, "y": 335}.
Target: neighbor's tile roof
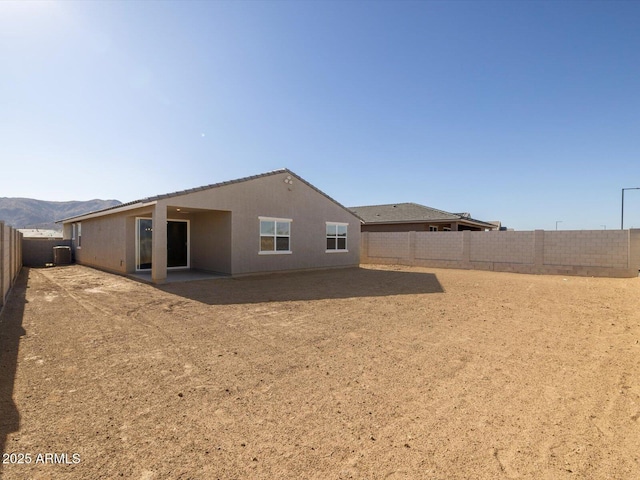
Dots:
{"x": 407, "y": 213}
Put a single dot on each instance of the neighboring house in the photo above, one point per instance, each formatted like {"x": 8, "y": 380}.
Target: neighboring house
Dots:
{"x": 407, "y": 217}
{"x": 265, "y": 223}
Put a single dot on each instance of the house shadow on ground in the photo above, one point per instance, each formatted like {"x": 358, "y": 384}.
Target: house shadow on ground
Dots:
{"x": 11, "y": 331}
{"x": 305, "y": 286}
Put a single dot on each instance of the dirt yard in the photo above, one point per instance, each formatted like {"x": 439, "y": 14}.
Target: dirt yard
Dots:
{"x": 372, "y": 373}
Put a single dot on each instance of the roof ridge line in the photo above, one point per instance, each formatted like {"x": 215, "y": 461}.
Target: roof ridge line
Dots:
{"x": 177, "y": 193}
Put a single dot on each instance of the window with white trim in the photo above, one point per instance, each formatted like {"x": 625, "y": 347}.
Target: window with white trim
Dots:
{"x": 433, "y": 228}
{"x": 79, "y": 235}
{"x": 336, "y": 237}
{"x": 275, "y": 235}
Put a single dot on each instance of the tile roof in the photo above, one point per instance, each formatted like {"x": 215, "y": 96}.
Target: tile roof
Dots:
{"x": 409, "y": 212}
{"x": 147, "y": 200}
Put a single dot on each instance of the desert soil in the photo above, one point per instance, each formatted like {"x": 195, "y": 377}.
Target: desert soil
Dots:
{"x": 371, "y": 373}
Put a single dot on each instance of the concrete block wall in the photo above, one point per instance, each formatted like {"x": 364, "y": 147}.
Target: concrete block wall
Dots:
{"x": 503, "y": 247}
{"x": 389, "y": 245}
{"x": 634, "y": 249}
{"x": 10, "y": 259}
{"x": 605, "y": 253}
{"x": 5, "y": 262}
{"x": 443, "y": 246}
{"x": 37, "y": 252}
{"x": 588, "y": 248}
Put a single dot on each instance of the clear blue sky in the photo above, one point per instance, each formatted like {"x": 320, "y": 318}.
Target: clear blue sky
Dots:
{"x": 524, "y": 112}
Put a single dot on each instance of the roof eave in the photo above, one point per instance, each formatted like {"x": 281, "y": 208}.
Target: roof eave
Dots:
{"x": 109, "y": 211}
{"x": 153, "y": 200}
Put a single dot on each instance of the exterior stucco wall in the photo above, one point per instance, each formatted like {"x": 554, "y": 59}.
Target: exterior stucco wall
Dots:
{"x": 270, "y": 196}
{"x": 66, "y": 231}
{"x": 103, "y": 243}
{"x": 130, "y": 239}
{"x": 225, "y": 229}
{"x": 108, "y": 242}
{"x": 211, "y": 241}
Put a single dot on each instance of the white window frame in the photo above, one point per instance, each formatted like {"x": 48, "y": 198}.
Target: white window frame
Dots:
{"x": 346, "y": 239}
{"x": 79, "y": 235}
{"x": 275, "y": 235}
{"x": 433, "y": 228}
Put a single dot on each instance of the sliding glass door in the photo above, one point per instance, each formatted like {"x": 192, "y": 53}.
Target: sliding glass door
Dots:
{"x": 143, "y": 243}
{"x": 177, "y": 244}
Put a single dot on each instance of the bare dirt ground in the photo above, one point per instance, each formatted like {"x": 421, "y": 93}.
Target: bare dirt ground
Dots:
{"x": 372, "y": 373}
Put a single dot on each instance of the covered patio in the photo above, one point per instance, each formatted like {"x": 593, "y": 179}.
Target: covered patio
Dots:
{"x": 185, "y": 244}
{"x": 175, "y": 276}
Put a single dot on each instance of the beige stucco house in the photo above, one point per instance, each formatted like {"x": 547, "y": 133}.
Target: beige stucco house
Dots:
{"x": 271, "y": 222}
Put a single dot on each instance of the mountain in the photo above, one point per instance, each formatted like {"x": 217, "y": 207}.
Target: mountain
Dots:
{"x": 30, "y": 213}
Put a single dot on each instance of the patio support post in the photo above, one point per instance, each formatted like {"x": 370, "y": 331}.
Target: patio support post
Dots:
{"x": 159, "y": 244}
